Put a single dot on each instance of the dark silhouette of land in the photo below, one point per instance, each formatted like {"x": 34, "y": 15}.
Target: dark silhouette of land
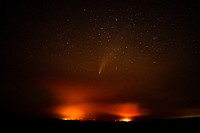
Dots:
{"x": 69, "y": 125}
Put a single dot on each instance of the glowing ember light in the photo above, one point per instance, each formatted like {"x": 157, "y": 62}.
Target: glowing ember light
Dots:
{"x": 125, "y": 119}
{"x": 71, "y": 113}
{"x": 77, "y": 103}
{"x": 67, "y": 119}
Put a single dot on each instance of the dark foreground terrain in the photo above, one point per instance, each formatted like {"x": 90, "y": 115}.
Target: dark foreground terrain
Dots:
{"x": 190, "y": 124}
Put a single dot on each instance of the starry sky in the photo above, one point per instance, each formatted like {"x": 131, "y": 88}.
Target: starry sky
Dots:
{"x": 84, "y": 59}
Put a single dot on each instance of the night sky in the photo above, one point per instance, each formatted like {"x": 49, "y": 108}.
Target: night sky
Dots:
{"x": 106, "y": 59}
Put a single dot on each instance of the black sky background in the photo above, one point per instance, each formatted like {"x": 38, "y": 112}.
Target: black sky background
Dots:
{"x": 156, "y": 50}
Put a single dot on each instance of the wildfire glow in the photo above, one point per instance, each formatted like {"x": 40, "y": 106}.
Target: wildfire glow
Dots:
{"x": 78, "y": 102}
{"x": 73, "y": 112}
{"x": 89, "y": 111}
{"x": 68, "y": 119}
{"x": 125, "y": 119}
{"x": 126, "y": 110}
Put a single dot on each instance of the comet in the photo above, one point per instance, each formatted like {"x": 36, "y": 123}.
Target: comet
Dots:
{"x": 107, "y": 57}
{"x": 100, "y": 71}
{"x": 103, "y": 63}
{"x": 111, "y": 52}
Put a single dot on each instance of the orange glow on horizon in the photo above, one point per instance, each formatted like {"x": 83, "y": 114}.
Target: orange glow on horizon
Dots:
{"x": 127, "y": 110}
{"x": 72, "y": 112}
{"x": 78, "y": 101}
{"x": 125, "y": 119}
{"x": 89, "y": 111}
